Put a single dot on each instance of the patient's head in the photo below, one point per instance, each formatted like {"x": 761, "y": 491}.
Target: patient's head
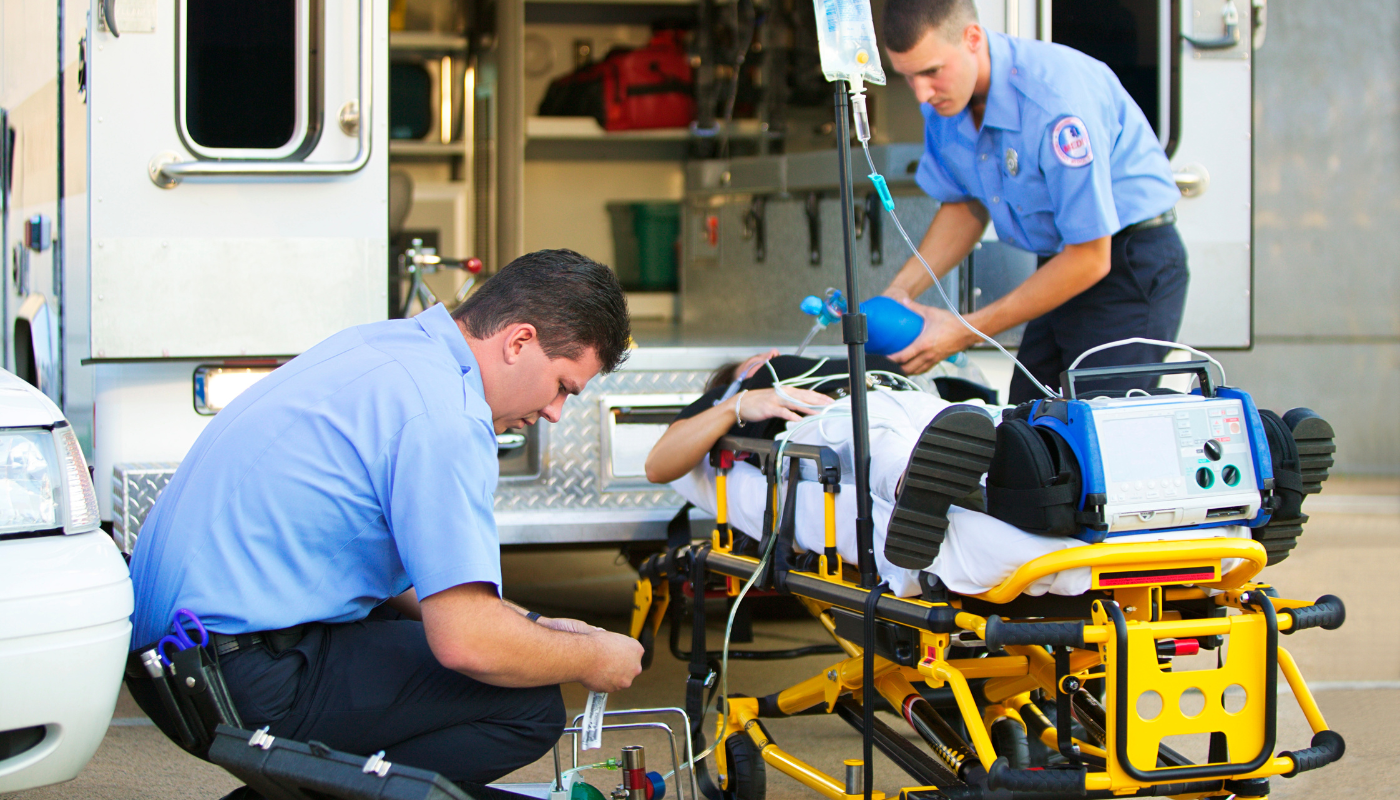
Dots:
{"x": 738, "y": 370}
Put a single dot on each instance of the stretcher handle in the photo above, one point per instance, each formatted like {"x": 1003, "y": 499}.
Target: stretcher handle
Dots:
{"x": 1327, "y": 746}
{"x": 828, "y": 463}
{"x": 1000, "y": 634}
{"x": 1049, "y": 781}
{"x": 1197, "y": 368}
{"x": 1327, "y": 613}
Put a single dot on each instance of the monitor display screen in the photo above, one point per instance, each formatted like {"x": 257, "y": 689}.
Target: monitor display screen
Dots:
{"x": 1138, "y": 449}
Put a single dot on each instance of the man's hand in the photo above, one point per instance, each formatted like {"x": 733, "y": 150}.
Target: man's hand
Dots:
{"x": 941, "y": 337}
{"x": 619, "y": 660}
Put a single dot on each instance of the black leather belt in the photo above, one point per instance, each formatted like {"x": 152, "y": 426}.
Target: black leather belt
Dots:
{"x": 275, "y": 641}
{"x": 1167, "y": 217}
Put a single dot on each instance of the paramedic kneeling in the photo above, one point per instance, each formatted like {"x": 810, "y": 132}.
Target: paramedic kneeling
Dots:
{"x": 1045, "y": 142}
{"x": 333, "y": 529}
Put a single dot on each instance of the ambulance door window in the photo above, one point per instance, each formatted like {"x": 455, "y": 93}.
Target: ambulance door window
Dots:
{"x": 1133, "y": 38}
{"x": 245, "y": 76}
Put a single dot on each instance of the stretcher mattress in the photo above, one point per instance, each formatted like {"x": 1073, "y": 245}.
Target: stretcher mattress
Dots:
{"x": 979, "y": 552}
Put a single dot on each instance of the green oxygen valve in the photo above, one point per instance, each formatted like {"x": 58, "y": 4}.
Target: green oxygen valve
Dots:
{"x": 884, "y": 189}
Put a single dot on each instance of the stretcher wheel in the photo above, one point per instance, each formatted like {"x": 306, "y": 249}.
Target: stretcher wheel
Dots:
{"x": 747, "y": 778}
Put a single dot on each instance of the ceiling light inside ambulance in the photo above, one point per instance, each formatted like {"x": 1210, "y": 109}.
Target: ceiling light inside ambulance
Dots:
{"x": 215, "y": 387}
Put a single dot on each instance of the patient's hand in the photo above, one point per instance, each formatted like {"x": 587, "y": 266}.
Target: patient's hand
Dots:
{"x": 761, "y": 404}
{"x": 753, "y": 364}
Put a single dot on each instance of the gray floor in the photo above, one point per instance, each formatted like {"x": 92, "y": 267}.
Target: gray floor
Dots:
{"x": 1351, "y": 548}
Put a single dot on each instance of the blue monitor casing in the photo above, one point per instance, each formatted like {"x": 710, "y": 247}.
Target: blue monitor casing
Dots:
{"x": 1164, "y": 461}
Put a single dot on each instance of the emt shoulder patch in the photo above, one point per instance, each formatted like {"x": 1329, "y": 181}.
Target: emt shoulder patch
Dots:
{"x": 1070, "y": 138}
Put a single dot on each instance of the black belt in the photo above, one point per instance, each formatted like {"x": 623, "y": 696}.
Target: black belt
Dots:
{"x": 275, "y": 641}
{"x": 1167, "y": 217}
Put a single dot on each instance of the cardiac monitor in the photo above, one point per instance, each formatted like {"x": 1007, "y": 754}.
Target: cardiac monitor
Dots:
{"x": 1164, "y": 461}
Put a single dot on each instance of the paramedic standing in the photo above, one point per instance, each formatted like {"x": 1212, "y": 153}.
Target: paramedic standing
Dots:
{"x": 1045, "y": 142}
{"x": 333, "y": 529}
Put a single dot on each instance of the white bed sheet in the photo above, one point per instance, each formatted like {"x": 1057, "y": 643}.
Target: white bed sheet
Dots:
{"x": 979, "y": 552}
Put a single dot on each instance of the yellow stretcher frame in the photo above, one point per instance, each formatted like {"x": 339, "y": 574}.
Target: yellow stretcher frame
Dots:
{"x": 1119, "y": 644}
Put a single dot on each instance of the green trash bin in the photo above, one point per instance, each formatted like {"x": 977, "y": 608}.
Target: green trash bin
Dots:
{"x": 646, "y": 244}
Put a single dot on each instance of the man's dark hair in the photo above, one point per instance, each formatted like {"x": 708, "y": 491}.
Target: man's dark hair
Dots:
{"x": 906, "y": 21}
{"x": 574, "y": 302}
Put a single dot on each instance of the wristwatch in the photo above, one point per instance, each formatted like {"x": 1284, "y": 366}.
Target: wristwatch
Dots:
{"x": 533, "y": 616}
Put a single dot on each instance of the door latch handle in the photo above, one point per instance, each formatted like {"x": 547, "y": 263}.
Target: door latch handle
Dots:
{"x": 1192, "y": 180}
{"x": 1231, "y": 37}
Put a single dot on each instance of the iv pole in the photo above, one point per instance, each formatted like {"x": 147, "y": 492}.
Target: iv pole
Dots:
{"x": 853, "y": 333}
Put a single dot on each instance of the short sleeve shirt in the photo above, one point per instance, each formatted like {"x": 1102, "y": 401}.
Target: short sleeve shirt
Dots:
{"x": 365, "y": 466}
{"x": 1064, "y": 155}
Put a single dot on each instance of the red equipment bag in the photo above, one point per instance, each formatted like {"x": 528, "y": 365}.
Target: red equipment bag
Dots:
{"x": 649, "y": 87}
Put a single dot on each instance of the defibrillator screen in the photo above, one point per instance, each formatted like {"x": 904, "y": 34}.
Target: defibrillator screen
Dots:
{"x": 1138, "y": 449}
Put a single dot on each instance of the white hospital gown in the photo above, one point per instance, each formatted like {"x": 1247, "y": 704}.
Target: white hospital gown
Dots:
{"x": 979, "y": 551}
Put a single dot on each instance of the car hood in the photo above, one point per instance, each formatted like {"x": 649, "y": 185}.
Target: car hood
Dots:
{"x": 23, "y": 406}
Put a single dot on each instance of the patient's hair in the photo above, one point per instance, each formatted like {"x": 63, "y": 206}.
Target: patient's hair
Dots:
{"x": 722, "y": 376}
{"x": 906, "y": 21}
{"x": 574, "y": 302}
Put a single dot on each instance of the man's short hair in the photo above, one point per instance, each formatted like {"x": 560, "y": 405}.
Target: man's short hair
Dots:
{"x": 574, "y": 302}
{"x": 906, "y": 21}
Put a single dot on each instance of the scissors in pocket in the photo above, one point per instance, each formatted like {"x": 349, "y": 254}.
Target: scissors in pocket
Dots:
{"x": 181, "y": 639}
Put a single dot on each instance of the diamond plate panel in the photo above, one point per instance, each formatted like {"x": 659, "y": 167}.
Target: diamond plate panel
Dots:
{"x": 573, "y": 478}
{"x": 134, "y": 490}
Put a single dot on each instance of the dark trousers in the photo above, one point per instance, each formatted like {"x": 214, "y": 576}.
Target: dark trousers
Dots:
{"x": 1142, "y": 295}
{"x": 375, "y": 685}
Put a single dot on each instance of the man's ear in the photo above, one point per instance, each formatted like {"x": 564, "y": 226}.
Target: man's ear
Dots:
{"x": 517, "y": 337}
{"x": 973, "y": 36}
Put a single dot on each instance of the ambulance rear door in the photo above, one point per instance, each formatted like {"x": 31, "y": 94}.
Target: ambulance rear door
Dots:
{"x": 1188, "y": 63}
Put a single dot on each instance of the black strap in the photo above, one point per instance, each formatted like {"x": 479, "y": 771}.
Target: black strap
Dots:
{"x": 678, "y": 529}
{"x": 1042, "y": 497}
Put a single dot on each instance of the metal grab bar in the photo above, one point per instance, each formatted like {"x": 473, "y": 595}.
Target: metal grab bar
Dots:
{"x": 167, "y": 170}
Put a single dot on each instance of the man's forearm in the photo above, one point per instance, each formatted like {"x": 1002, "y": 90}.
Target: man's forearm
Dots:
{"x": 472, "y": 631}
{"x": 950, "y": 237}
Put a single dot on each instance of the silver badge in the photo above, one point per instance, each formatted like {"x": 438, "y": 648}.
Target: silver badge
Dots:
{"x": 1013, "y": 164}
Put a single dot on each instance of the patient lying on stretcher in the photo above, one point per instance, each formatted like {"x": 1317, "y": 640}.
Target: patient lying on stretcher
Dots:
{"x": 926, "y": 454}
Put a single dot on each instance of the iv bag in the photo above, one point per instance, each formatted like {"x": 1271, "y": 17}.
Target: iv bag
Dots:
{"x": 846, "y": 41}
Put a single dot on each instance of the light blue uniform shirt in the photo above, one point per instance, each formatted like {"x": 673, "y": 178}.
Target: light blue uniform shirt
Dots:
{"x": 1064, "y": 155}
{"x": 362, "y": 467}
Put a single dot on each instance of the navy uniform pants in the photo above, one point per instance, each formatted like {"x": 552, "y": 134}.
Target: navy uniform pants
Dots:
{"x": 374, "y": 685}
{"x": 1142, "y": 295}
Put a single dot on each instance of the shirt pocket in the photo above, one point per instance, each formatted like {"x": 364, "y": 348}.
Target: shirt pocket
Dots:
{"x": 1035, "y": 212}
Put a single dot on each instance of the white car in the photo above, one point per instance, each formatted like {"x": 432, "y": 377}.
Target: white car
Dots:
{"x": 65, "y": 598}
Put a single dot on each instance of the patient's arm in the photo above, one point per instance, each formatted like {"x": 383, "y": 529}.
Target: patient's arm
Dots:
{"x": 688, "y": 440}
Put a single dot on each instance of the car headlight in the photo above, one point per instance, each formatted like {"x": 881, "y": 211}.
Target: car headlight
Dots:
{"x": 30, "y": 497}
{"x": 44, "y": 482}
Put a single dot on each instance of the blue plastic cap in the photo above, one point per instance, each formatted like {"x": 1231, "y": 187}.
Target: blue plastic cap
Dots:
{"x": 658, "y": 786}
{"x": 884, "y": 189}
{"x": 812, "y": 305}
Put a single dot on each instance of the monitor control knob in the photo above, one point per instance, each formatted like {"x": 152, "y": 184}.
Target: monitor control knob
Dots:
{"x": 1213, "y": 450}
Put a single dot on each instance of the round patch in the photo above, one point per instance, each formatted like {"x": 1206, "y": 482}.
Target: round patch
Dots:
{"x": 1071, "y": 140}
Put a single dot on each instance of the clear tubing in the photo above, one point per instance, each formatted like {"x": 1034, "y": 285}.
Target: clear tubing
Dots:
{"x": 951, "y": 306}
{"x": 861, "y": 115}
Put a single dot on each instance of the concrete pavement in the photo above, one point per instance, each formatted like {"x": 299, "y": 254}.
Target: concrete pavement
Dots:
{"x": 1350, "y": 548}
